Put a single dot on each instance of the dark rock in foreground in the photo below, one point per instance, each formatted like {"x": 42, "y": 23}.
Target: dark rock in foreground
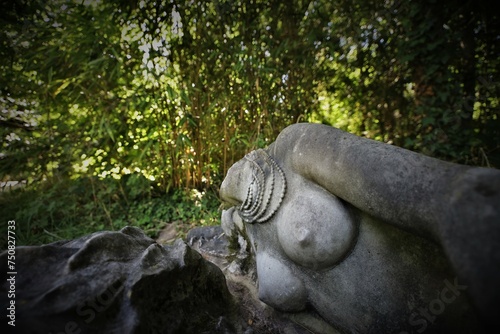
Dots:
{"x": 118, "y": 282}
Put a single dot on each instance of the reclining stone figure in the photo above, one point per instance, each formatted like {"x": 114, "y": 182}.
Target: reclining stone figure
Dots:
{"x": 375, "y": 238}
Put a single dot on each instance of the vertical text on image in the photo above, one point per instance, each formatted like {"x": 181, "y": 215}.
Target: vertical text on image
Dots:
{"x": 11, "y": 272}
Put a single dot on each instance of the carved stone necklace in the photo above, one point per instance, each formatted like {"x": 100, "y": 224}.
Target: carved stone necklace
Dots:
{"x": 266, "y": 190}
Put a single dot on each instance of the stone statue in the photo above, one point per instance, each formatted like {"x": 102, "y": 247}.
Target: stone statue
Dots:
{"x": 374, "y": 238}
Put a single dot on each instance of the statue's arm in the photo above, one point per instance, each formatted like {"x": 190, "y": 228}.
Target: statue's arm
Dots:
{"x": 395, "y": 185}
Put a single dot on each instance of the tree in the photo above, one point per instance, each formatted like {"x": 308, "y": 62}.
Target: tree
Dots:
{"x": 419, "y": 75}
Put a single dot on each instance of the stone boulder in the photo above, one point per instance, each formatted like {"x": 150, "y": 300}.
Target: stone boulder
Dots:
{"x": 118, "y": 282}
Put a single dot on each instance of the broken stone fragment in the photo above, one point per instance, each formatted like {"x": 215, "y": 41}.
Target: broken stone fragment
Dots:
{"x": 121, "y": 282}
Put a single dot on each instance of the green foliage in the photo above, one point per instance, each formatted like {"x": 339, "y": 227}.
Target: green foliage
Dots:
{"x": 69, "y": 208}
{"x": 422, "y": 75}
{"x": 123, "y": 104}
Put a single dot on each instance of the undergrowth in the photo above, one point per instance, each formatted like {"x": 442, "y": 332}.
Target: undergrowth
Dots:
{"x": 66, "y": 209}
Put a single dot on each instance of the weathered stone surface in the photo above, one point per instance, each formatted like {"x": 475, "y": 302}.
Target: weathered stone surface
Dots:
{"x": 377, "y": 239}
{"x": 232, "y": 255}
{"x": 118, "y": 282}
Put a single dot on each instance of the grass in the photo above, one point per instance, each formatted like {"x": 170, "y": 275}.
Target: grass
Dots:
{"x": 68, "y": 209}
